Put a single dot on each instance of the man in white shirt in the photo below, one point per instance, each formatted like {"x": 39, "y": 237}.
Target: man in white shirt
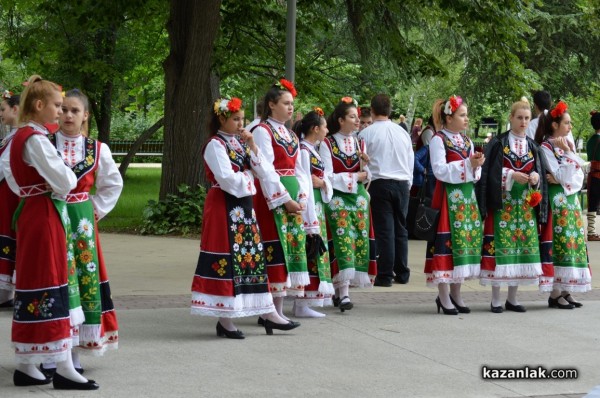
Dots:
{"x": 541, "y": 101}
{"x": 391, "y": 163}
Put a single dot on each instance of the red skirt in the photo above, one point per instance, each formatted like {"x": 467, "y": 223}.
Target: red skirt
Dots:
{"x": 9, "y": 201}
{"x": 41, "y": 328}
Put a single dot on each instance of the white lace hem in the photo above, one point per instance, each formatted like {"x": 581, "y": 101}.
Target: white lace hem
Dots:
{"x": 31, "y": 353}
{"x": 231, "y": 307}
{"x": 77, "y": 317}
{"x": 298, "y": 280}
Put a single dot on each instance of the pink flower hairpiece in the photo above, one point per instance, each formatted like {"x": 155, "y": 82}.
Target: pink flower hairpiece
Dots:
{"x": 7, "y": 94}
{"x": 453, "y": 103}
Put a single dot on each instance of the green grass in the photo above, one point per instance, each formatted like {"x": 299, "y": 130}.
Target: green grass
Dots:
{"x": 140, "y": 186}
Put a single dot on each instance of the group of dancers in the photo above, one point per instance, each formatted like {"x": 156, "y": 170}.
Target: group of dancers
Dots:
{"x": 51, "y": 265}
{"x": 288, "y": 212}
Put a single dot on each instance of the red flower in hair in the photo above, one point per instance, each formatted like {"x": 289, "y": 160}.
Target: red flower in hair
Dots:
{"x": 592, "y": 113}
{"x": 289, "y": 86}
{"x": 359, "y": 111}
{"x": 559, "y": 109}
{"x": 234, "y": 104}
{"x": 319, "y": 111}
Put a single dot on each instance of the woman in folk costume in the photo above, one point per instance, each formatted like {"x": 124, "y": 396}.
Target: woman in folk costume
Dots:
{"x": 93, "y": 165}
{"x": 231, "y": 278}
{"x": 43, "y": 319}
{"x": 9, "y": 114}
{"x": 348, "y": 212}
{"x": 312, "y": 129}
{"x": 282, "y": 196}
{"x": 455, "y": 254}
{"x": 563, "y": 237}
{"x": 507, "y": 193}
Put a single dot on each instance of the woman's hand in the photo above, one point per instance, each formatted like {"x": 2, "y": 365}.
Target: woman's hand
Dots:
{"x": 247, "y": 137}
{"x": 317, "y": 182}
{"x": 521, "y": 178}
{"x": 477, "y": 160}
{"x": 534, "y": 178}
{"x": 361, "y": 176}
{"x": 562, "y": 143}
{"x": 293, "y": 207}
{"x": 551, "y": 179}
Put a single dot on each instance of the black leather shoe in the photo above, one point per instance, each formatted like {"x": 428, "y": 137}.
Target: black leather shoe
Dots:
{"x": 576, "y": 304}
{"x": 461, "y": 309}
{"x": 516, "y": 308}
{"x": 447, "y": 311}
{"x": 235, "y": 334}
{"x": 261, "y": 321}
{"x": 336, "y": 301}
{"x": 23, "y": 380}
{"x": 62, "y": 383}
{"x": 553, "y": 303}
{"x": 496, "y": 310}
{"x": 49, "y": 372}
{"x": 269, "y": 326}
{"x": 401, "y": 281}
{"x": 346, "y": 305}
{"x": 381, "y": 282}
{"x": 7, "y": 305}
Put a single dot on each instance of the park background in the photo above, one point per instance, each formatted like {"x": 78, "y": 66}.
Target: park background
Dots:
{"x": 152, "y": 69}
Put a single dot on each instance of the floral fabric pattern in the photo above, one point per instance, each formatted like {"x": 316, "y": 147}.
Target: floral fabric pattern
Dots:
{"x": 465, "y": 224}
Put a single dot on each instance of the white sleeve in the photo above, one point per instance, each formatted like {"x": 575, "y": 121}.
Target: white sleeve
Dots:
{"x": 109, "y": 183}
{"x": 302, "y": 171}
{"x": 5, "y": 154}
{"x": 309, "y": 214}
{"x": 568, "y": 173}
{"x": 42, "y": 155}
{"x": 273, "y": 190}
{"x": 327, "y": 190}
{"x": 344, "y": 182}
{"x": 238, "y": 184}
{"x": 455, "y": 172}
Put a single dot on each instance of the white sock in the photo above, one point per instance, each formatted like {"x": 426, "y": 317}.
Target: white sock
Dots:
{"x": 344, "y": 292}
{"x": 512, "y": 295}
{"x": 31, "y": 370}
{"x": 304, "y": 311}
{"x": 67, "y": 370}
{"x": 278, "y": 301}
{"x": 496, "y": 296}
{"x": 6, "y": 295}
{"x": 275, "y": 318}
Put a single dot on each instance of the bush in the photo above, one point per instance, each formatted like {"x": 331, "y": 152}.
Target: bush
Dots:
{"x": 179, "y": 214}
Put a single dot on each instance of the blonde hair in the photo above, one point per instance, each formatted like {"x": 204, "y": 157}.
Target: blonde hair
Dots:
{"x": 523, "y": 103}
{"x": 37, "y": 89}
{"x": 437, "y": 114}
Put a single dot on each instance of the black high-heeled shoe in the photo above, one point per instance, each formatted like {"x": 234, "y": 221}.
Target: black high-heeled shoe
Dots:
{"x": 62, "y": 383}
{"x": 461, "y": 309}
{"x": 261, "y": 321}
{"x": 570, "y": 300}
{"x": 345, "y": 305}
{"x": 496, "y": 310}
{"x": 553, "y": 303}
{"x": 270, "y": 325}
{"x": 235, "y": 334}
{"x": 447, "y": 311}
{"x": 24, "y": 380}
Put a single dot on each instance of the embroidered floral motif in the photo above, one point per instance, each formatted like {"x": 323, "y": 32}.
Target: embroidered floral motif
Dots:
{"x": 350, "y": 162}
{"x": 41, "y": 307}
{"x": 291, "y": 147}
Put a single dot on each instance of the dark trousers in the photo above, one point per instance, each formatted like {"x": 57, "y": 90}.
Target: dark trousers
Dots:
{"x": 389, "y": 205}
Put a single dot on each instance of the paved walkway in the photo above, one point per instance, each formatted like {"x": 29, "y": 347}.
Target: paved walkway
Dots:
{"x": 392, "y": 344}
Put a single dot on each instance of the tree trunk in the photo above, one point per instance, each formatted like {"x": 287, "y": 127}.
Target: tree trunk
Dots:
{"x": 105, "y": 44}
{"x": 137, "y": 144}
{"x": 193, "y": 28}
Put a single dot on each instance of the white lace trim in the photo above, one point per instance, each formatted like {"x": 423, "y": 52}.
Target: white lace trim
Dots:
{"x": 516, "y": 271}
{"x": 231, "y": 307}
{"x": 298, "y": 279}
{"x": 362, "y": 279}
{"x": 326, "y": 288}
{"x": 572, "y": 279}
{"x": 31, "y": 353}
{"x": 77, "y": 317}
{"x": 309, "y": 301}
{"x": 458, "y": 275}
{"x": 345, "y": 275}
{"x": 508, "y": 282}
